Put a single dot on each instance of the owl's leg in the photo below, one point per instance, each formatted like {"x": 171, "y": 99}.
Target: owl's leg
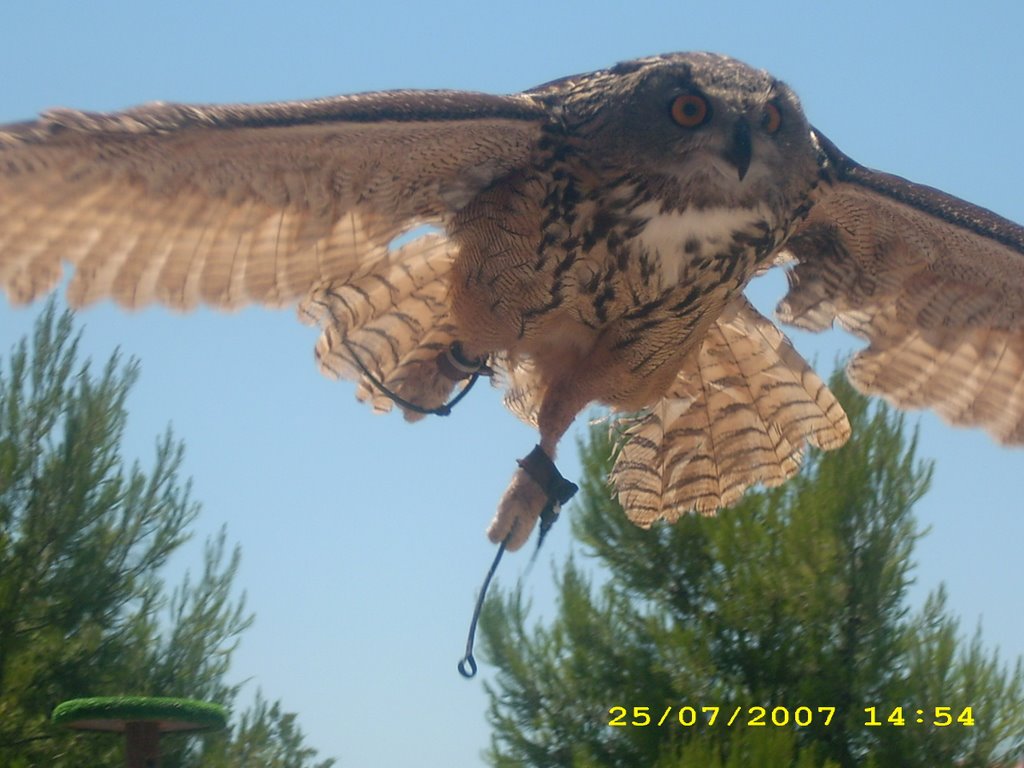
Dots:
{"x": 614, "y": 371}
{"x": 538, "y": 489}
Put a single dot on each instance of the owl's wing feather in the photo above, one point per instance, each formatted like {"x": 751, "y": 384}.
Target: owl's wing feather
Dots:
{"x": 739, "y": 413}
{"x": 228, "y": 205}
{"x": 392, "y": 321}
{"x": 935, "y": 284}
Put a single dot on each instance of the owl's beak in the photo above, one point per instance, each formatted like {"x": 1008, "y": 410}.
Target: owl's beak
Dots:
{"x": 739, "y": 150}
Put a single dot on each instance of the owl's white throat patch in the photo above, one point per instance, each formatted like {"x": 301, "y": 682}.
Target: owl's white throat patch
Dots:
{"x": 678, "y": 239}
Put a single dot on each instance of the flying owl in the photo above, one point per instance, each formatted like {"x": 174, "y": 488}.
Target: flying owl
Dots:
{"x": 588, "y": 240}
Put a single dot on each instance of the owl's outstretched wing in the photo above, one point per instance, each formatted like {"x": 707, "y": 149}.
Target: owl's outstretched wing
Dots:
{"x": 228, "y": 205}
{"x": 935, "y": 284}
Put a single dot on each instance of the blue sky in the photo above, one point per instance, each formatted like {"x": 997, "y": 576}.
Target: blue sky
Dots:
{"x": 362, "y": 536}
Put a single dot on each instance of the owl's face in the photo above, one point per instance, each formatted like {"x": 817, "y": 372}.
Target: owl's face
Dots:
{"x": 728, "y": 134}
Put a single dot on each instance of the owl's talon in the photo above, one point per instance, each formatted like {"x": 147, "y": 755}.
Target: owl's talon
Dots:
{"x": 451, "y": 364}
{"x": 537, "y": 489}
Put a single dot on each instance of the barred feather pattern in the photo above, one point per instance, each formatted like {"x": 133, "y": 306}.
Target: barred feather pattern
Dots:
{"x": 519, "y": 377}
{"x": 739, "y": 414}
{"x": 969, "y": 376}
{"x": 391, "y": 319}
{"x": 238, "y": 204}
{"x": 941, "y": 308}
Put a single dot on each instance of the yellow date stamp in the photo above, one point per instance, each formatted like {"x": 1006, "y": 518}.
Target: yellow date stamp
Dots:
{"x": 755, "y": 716}
{"x": 688, "y": 716}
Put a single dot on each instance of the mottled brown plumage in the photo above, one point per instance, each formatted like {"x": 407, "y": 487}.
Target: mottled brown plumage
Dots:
{"x": 594, "y": 236}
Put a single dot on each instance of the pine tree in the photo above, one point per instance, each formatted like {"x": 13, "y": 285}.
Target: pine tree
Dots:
{"x": 83, "y": 537}
{"x": 795, "y": 598}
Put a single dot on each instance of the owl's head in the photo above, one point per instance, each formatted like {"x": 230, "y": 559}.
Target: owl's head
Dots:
{"x": 723, "y": 132}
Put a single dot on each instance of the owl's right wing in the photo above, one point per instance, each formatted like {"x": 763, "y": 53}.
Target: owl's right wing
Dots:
{"x": 229, "y": 205}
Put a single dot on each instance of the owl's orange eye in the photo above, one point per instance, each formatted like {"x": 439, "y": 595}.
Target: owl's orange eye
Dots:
{"x": 690, "y": 110}
{"x": 772, "y": 119}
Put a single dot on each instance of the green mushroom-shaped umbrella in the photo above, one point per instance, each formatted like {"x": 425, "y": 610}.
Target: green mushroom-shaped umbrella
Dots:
{"x": 142, "y": 719}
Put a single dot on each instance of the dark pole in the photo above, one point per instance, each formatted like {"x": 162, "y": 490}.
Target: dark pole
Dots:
{"x": 142, "y": 745}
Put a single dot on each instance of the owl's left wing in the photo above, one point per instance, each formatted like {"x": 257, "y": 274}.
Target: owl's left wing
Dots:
{"x": 935, "y": 284}
{"x": 229, "y": 205}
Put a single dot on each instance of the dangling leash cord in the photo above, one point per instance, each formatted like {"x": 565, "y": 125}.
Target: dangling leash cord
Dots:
{"x": 539, "y": 467}
{"x": 467, "y": 666}
{"x": 452, "y": 364}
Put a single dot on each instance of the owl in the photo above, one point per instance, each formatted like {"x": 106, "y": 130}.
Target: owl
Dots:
{"x": 585, "y": 241}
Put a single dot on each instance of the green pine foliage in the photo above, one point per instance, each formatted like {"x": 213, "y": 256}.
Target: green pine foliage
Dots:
{"x": 796, "y": 597}
{"x": 83, "y": 537}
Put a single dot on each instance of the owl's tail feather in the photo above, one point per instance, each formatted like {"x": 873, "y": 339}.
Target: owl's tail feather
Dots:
{"x": 388, "y": 328}
{"x": 738, "y": 415}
